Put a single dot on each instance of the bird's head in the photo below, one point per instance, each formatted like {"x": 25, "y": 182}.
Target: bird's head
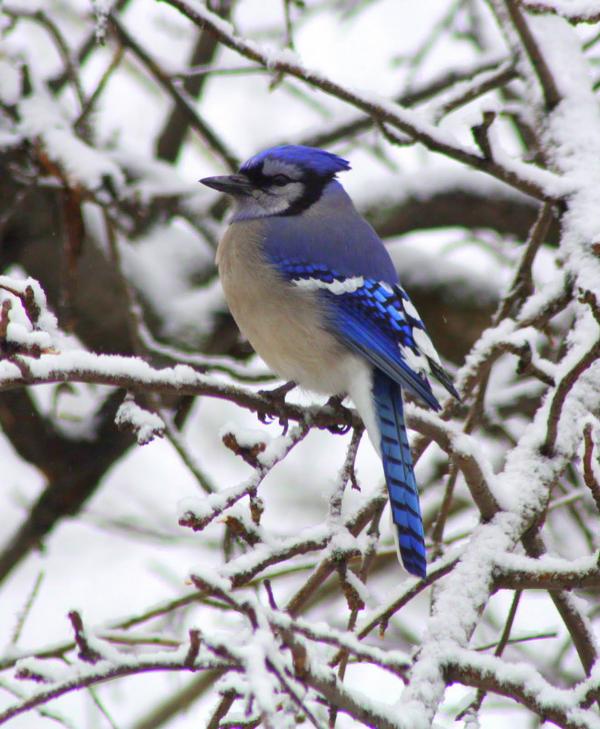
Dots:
{"x": 284, "y": 180}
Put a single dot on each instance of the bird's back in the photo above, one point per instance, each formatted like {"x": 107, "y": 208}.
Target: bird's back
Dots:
{"x": 331, "y": 232}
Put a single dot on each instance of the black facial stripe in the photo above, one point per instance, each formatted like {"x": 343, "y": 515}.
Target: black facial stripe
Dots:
{"x": 313, "y": 188}
{"x": 256, "y": 176}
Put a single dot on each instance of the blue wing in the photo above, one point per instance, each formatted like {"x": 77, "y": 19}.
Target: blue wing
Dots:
{"x": 377, "y": 320}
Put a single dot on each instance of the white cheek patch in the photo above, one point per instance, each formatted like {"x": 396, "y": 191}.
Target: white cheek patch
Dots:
{"x": 272, "y": 167}
{"x": 292, "y": 191}
{"x": 424, "y": 344}
{"x": 347, "y": 286}
{"x": 267, "y": 204}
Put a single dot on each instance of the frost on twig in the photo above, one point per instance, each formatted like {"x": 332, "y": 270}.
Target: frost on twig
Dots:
{"x": 296, "y": 611}
{"x": 26, "y": 325}
{"x": 145, "y": 425}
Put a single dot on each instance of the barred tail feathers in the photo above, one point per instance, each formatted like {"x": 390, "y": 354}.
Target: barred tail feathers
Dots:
{"x": 399, "y": 473}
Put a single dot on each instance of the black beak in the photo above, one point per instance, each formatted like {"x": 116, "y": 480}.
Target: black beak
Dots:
{"x": 229, "y": 184}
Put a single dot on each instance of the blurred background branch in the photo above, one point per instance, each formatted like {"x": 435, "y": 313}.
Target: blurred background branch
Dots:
{"x": 475, "y": 155}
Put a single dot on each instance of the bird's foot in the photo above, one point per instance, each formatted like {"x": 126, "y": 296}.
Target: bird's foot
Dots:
{"x": 274, "y": 410}
{"x": 335, "y": 403}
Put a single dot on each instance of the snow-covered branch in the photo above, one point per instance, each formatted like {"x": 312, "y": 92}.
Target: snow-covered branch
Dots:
{"x": 268, "y": 503}
{"x": 533, "y": 181}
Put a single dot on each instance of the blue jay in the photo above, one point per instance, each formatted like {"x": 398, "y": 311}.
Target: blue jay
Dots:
{"x": 314, "y": 290}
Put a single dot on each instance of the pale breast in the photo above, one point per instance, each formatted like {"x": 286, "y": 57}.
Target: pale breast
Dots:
{"x": 284, "y": 324}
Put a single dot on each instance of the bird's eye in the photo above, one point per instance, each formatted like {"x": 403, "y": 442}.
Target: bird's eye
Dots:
{"x": 280, "y": 180}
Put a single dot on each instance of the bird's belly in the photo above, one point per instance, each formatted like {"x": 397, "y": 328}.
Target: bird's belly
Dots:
{"x": 282, "y": 323}
{"x": 290, "y": 340}
{"x": 297, "y": 354}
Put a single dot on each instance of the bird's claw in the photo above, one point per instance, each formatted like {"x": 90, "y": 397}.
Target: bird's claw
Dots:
{"x": 276, "y": 399}
{"x": 340, "y": 429}
{"x": 335, "y": 403}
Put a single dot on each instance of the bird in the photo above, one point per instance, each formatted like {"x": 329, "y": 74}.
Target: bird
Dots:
{"x": 314, "y": 290}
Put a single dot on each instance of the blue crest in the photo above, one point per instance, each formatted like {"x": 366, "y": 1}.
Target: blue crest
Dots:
{"x": 317, "y": 161}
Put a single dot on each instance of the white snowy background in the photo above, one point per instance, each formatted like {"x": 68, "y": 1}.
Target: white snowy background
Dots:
{"x": 125, "y": 552}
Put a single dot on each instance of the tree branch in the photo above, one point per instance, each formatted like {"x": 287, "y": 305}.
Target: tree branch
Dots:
{"x": 520, "y": 176}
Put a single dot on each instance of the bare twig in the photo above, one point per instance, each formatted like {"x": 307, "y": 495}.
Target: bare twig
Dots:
{"x": 60, "y": 41}
{"x": 588, "y": 468}
{"x": 550, "y": 90}
{"x": 24, "y": 613}
{"x": 561, "y": 393}
{"x": 207, "y": 134}
{"x": 474, "y": 707}
{"x": 86, "y": 652}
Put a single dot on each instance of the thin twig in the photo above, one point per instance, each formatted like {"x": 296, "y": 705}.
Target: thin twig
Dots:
{"x": 199, "y": 125}
{"x": 24, "y": 613}
{"x": 561, "y": 392}
{"x": 522, "y": 286}
{"x": 402, "y": 119}
{"x": 221, "y": 710}
{"x": 475, "y": 706}
{"x": 91, "y": 102}
{"x": 589, "y": 475}
{"x": 550, "y": 90}
{"x": 60, "y": 41}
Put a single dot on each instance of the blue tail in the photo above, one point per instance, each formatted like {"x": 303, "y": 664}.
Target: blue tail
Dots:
{"x": 399, "y": 473}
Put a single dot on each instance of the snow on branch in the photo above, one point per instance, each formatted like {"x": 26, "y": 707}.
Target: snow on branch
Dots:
{"x": 534, "y": 181}
{"x": 566, "y": 708}
{"x": 144, "y": 424}
{"x": 575, "y": 11}
{"x": 284, "y": 606}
